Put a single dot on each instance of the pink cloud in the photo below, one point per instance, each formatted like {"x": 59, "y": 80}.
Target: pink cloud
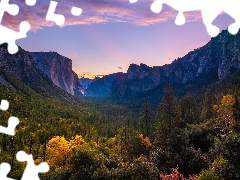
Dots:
{"x": 94, "y": 12}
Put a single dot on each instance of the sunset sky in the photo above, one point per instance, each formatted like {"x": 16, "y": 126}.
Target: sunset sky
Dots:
{"x": 111, "y": 34}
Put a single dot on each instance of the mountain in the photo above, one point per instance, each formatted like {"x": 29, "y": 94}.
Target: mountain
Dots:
{"x": 99, "y": 86}
{"x": 20, "y": 73}
{"x": 59, "y": 69}
{"x": 197, "y": 69}
{"x": 85, "y": 82}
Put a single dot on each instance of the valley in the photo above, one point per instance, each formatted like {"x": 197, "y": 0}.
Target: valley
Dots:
{"x": 180, "y": 119}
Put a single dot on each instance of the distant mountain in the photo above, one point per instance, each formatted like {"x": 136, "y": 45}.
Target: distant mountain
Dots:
{"x": 199, "y": 68}
{"x": 20, "y": 73}
{"x": 59, "y": 69}
{"x": 99, "y": 86}
{"x": 85, "y": 82}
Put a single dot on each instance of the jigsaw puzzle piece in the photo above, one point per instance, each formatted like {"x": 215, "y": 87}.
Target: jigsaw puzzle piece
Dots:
{"x": 4, "y": 170}
{"x": 156, "y": 6}
{"x": 30, "y": 2}
{"x": 232, "y": 9}
{"x": 233, "y": 28}
{"x": 51, "y": 16}
{"x": 9, "y": 36}
{"x": 12, "y": 9}
{"x": 76, "y": 11}
{"x": 180, "y": 19}
{"x": 12, "y": 123}
{"x": 209, "y": 14}
{"x": 133, "y": 1}
{"x": 4, "y": 105}
{"x": 31, "y": 171}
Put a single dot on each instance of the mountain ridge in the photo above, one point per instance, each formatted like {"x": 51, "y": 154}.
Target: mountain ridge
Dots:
{"x": 24, "y": 68}
{"x": 210, "y": 63}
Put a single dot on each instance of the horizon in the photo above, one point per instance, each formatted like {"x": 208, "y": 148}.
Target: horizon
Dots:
{"x": 108, "y": 36}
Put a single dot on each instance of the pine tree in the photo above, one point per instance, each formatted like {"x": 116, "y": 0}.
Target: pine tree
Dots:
{"x": 146, "y": 119}
{"x": 207, "y": 110}
{"x": 169, "y": 110}
{"x": 189, "y": 109}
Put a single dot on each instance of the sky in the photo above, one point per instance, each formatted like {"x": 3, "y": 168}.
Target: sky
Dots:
{"x": 109, "y": 35}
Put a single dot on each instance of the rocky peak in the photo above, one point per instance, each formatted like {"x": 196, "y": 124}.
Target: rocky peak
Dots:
{"x": 138, "y": 71}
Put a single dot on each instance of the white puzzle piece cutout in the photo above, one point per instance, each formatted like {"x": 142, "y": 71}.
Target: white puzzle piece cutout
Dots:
{"x": 12, "y": 123}
{"x": 210, "y": 10}
{"x": 7, "y": 35}
{"x": 4, "y": 170}
{"x": 30, "y": 2}
{"x": 12, "y": 9}
{"x": 4, "y": 105}
{"x": 76, "y": 11}
{"x": 51, "y": 16}
{"x": 31, "y": 171}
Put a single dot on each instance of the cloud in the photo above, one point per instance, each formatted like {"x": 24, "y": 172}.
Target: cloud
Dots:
{"x": 119, "y": 67}
{"x": 94, "y": 12}
{"x": 72, "y": 55}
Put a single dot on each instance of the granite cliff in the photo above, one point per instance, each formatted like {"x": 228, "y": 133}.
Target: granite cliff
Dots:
{"x": 59, "y": 69}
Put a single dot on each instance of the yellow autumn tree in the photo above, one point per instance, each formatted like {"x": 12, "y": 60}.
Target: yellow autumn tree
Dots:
{"x": 76, "y": 141}
{"x": 58, "y": 152}
{"x": 145, "y": 141}
{"x": 225, "y": 120}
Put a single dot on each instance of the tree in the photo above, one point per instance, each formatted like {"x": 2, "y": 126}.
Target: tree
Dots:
{"x": 207, "y": 110}
{"x": 169, "y": 111}
{"x": 225, "y": 120}
{"x": 146, "y": 119}
{"x": 58, "y": 152}
{"x": 189, "y": 109}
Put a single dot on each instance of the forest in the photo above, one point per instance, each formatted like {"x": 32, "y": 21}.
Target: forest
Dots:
{"x": 194, "y": 136}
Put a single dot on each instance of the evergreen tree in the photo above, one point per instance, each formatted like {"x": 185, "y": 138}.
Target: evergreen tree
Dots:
{"x": 146, "y": 119}
{"x": 207, "y": 110}
{"x": 169, "y": 110}
{"x": 189, "y": 109}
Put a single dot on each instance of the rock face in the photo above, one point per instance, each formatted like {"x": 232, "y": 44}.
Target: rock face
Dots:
{"x": 59, "y": 69}
{"x": 209, "y": 64}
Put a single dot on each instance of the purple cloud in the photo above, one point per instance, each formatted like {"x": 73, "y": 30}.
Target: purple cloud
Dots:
{"x": 94, "y": 11}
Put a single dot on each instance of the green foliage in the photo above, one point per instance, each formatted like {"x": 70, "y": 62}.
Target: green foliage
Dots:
{"x": 168, "y": 115}
{"x": 146, "y": 119}
{"x": 208, "y": 175}
{"x": 189, "y": 109}
{"x": 201, "y": 135}
{"x": 116, "y": 141}
{"x": 176, "y": 151}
